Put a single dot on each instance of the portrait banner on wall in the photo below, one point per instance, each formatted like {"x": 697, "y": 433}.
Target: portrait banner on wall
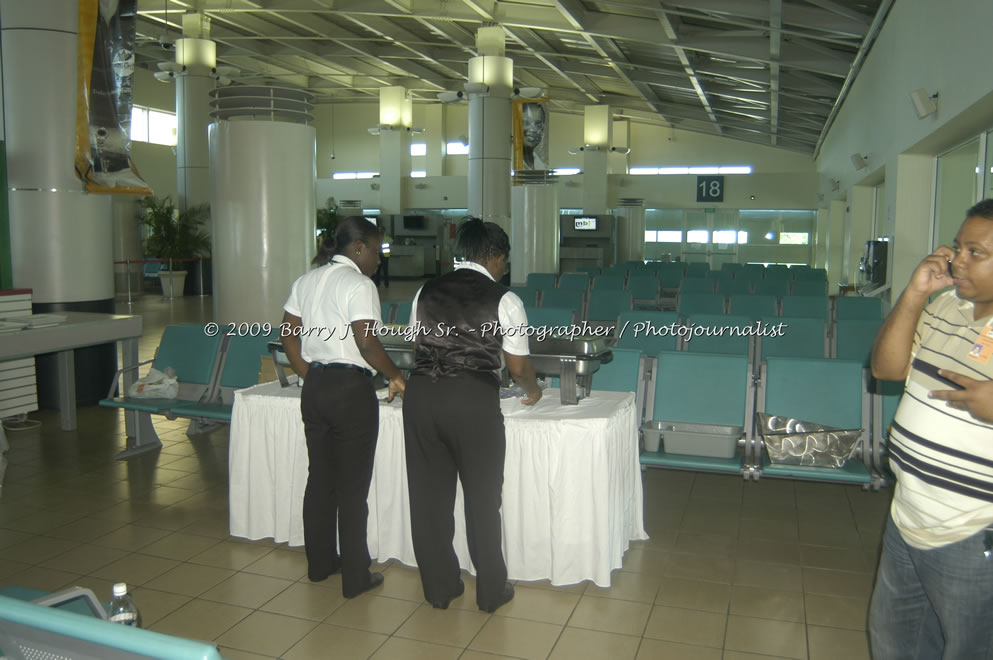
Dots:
{"x": 105, "y": 88}
{"x": 530, "y": 134}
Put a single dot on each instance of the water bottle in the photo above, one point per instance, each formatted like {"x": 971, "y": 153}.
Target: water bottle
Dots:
{"x": 122, "y": 607}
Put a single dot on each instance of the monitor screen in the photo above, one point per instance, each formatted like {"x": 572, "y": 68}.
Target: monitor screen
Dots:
{"x": 586, "y": 224}
{"x": 413, "y": 222}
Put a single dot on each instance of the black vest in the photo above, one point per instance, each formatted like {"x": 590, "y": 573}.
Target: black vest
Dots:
{"x": 459, "y": 325}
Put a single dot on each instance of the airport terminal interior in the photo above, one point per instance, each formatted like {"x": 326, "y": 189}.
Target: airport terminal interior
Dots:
{"x": 693, "y": 163}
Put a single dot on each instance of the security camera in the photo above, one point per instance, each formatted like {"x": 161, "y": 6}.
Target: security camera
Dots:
{"x": 450, "y": 97}
{"x": 529, "y": 92}
{"x": 332, "y": 156}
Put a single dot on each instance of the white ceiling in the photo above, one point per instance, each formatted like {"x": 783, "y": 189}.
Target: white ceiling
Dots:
{"x": 766, "y": 71}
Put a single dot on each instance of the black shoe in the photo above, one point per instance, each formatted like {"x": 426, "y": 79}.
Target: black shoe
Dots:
{"x": 505, "y": 597}
{"x": 375, "y": 579}
{"x": 320, "y": 577}
{"x": 443, "y": 604}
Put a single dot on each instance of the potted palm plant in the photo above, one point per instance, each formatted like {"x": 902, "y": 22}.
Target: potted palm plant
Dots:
{"x": 173, "y": 235}
{"x": 327, "y": 220}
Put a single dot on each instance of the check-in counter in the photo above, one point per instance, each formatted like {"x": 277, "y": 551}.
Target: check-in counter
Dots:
{"x": 408, "y": 261}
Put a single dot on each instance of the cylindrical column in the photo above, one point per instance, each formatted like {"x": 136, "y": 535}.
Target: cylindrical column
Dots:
{"x": 491, "y": 83}
{"x": 262, "y": 199}
{"x": 534, "y": 231}
{"x": 631, "y": 230}
{"x": 597, "y": 135}
{"x": 60, "y": 237}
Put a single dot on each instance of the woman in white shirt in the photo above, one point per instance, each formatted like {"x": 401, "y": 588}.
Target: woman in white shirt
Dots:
{"x": 329, "y": 339}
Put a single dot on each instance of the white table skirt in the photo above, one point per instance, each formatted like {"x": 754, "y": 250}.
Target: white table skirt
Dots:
{"x": 572, "y": 497}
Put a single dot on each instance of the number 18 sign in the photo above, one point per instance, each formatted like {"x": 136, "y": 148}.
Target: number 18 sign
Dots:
{"x": 710, "y": 189}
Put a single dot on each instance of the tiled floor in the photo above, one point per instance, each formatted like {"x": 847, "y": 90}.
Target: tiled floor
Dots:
{"x": 733, "y": 570}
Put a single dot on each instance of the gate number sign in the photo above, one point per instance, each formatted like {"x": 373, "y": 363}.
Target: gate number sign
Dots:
{"x": 710, "y": 189}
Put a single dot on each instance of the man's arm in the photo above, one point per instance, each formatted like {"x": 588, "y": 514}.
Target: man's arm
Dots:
{"x": 373, "y": 352}
{"x": 522, "y": 371}
{"x": 895, "y": 340}
{"x": 291, "y": 344}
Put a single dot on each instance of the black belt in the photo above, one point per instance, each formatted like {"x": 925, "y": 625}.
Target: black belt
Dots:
{"x": 340, "y": 365}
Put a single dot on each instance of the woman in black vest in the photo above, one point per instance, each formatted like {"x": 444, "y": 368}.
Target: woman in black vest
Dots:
{"x": 453, "y": 427}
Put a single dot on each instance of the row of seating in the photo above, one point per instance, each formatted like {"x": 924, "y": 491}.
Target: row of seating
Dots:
{"x": 209, "y": 368}
{"x": 706, "y": 403}
{"x": 700, "y": 269}
{"x": 842, "y": 308}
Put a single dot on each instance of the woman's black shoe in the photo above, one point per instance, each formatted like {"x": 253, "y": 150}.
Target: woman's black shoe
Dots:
{"x": 375, "y": 579}
{"x": 443, "y": 604}
{"x": 505, "y": 597}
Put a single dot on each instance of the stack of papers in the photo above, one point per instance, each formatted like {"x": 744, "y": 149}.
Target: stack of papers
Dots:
{"x": 11, "y": 326}
{"x": 31, "y": 321}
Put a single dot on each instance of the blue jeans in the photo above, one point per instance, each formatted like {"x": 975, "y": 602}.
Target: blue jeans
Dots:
{"x": 932, "y": 604}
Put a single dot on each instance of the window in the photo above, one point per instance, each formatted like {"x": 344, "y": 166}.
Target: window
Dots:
{"x": 725, "y": 236}
{"x": 139, "y": 124}
{"x": 162, "y": 127}
{"x": 674, "y": 170}
{"x": 701, "y": 169}
{"x": 643, "y": 170}
{"x": 566, "y": 171}
{"x": 456, "y": 149}
{"x": 794, "y": 238}
{"x": 704, "y": 170}
{"x": 670, "y": 236}
{"x": 742, "y": 237}
{"x": 697, "y": 236}
{"x": 154, "y": 126}
{"x": 366, "y": 175}
{"x": 338, "y": 176}
{"x": 651, "y": 236}
{"x": 418, "y": 149}
{"x": 418, "y": 174}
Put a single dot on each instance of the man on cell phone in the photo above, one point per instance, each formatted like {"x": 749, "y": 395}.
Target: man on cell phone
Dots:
{"x": 934, "y": 584}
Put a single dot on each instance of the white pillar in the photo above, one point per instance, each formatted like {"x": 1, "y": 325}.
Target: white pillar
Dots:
{"x": 534, "y": 235}
{"x": 395, "y": 119}
{"x": 630, "y": 230}
{"x": 491, "y": 83}
{"x": 61, "y": 245}
{"x": 597, "y": 135}
{"x": 60, "y": 238}
{"x": 262, "y": 196}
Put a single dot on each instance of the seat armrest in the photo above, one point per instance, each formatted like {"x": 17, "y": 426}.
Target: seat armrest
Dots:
{"x": 72, "y": 593}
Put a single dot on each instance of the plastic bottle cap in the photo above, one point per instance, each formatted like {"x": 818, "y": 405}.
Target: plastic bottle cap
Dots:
{"x": 120, "y": 589}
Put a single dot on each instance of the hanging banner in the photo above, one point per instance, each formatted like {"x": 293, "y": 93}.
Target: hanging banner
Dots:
{"x": 530, "y": 134}
{"x": 105, "y": 86}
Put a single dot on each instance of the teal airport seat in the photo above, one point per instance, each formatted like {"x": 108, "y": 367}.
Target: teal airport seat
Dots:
{"x": 562, "y": 298}
{"x": 822, "y": 391}
{"x": 801, "y": 337}
{"x": 815, "y": 307}
{"x": 527, "y": 295}
{"x": 542, "y": 280}
{"x": 772, "y": 286}
{"x": 754, "y": 306}
{"x": 574, "y": 282}
{"x": 402, "y": 316}
{"x": 807, "y": 274}
{"x": 848, "y": 308}
{"x": 386, "y": 310}
{"x": 609, "y": 282}
{"x": 550, "y": 316}
{"x": 735, "y": 287}
{"x": 722, "y": 333}
{"x": 624, "y": 373}
{"x": 809, "y": 288}
{"x": 193, "y": 355}
{"x": 648, "y": 332}
{"x": 699, "y": 303}
{"x": 30, "y": 631}
{"x": 697, "y": 269}
{"x": 646, "y": 290}
{"x": 702, "y": 407}
{"x": 853, "y": 339}
{"x": 240, "y": 366}
{"x": 606, "y": 305}
{"x": 592, "y": 271}
{"x": 696, "y": 285}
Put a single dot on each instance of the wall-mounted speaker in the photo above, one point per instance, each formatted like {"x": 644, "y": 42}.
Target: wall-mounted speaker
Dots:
{"x": 924, "y": 103}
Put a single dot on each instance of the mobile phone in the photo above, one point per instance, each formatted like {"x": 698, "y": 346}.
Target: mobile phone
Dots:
{"x": 932, "y": 371}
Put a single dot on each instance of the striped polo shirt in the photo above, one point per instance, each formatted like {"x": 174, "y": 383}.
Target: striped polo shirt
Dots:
{"x": 942, "y": 456}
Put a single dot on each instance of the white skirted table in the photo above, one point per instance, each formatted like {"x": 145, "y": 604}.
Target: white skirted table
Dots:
{"x": 572, "y": 496}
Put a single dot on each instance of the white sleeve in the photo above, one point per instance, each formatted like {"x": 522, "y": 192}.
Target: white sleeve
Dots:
{"x": 513, "y": 323}
{"x": 363, "y": 303}
{"x": 292, "y": 304}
